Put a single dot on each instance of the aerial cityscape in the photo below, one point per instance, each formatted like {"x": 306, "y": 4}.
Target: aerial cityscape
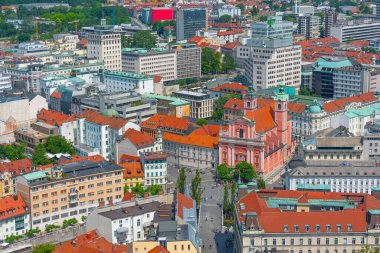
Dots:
{"x": 189, "y": 126}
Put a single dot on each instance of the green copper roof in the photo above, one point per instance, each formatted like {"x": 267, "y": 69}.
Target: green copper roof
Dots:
{"x": 363, "y": 112}
{"x": 110, "y": 113}
{"x": 374, "y": 212}
{"x": 321, "y": 187}
{"x": 282, "y": 96}
{"x": 35, "y": 175}
{"x": 323, "y": 64}
{"x": 315, "y": 107}
{"x": 175, "y": 101}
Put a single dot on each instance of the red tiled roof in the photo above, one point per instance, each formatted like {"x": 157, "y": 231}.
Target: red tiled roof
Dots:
{"x": 155, "y": 156}
{"x": 339, "y": 104}
{"x": 235, "y": 104}
{"x": 90, "y": 242}
{"x": 230, "y": 86}
{"x": 56, "y": 95}
{"x": 132, "y": 170}
{"x": 263, "y": 117}
{"x": 96, "y": 118}
{"x": 166, "y": 122}
{"x": 319, "y": 41}
{"x": 18, "y": 167}
{"x": 128, "y": 158}
{"x": 360, "y": 43}
{"x": 158, "y": 249}
{"x": 128, "y": 196}
{"x": 296, "y": 108}
{"x": 195, "y": 39}
{"x": 54, "y": 118}
{"x": 77, "y": 158}
{"x": 273, "y": 220}
{"x": 12, "y": 206}
{"x": 231, "y": 45}
{"x": 192, "y": 139}
{"x": 210, "y": 130}
{"x": 157, "y": 79}
{"x": 183, "y": 202}
{"x": 231, "y": 32}
{"x": 139, "y": 139}
{"x": 83, "y": 42}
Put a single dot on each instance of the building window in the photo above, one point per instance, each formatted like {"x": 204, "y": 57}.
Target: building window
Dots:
{"x": 138, "y": 235}
{"x": 138, "y": 223}
{"x": 336, "y": 241}
{"x": 274, "y": 242}
{"x": 241, "y": 133}
{"x": 292, "y": 241}
{"x": 283, "y": 242}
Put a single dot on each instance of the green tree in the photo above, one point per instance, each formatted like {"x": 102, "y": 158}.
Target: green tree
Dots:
{"x": 365, "y": 9}
{"x": 125, "y": 41}
{"x": 219, "y": 106}
{"x": 254, "y": 11}
{"x": 51, "y": 227}
{"x": 233, "y": 193}
{"x": 138, "y": 189}
{"x": 83, "y": 218}
{"x": 226, "y": 203}
{"x": 210, "y": 61}
{"x": 263, "y": 18}
{"x": 260, "y": 183}
{"x": 158, "y": 26}
{"x": 241, "y": 7}
{"x": 125, "y": 189}
{"x": 58, "y": 144}
{"x": 15, "y": 151}
{"x": 155, "y": 189}
{"x": 246, "y": 171}
{"x": 228, "y": 63}
{"x": 143, "y": 39}
{"x": 181, "y": 182}
{"x": 224, "y": 172}
{"x": 225, "y": 19}
{"x": 44, "y": 248}
{"x": 291, "y": 18}
{"x": 196, "y": 188}
{"x": 12, "y": 238}
{"x": 32, "y": 232}
{"x": 69, "y": 222}
{"x": 39, "y": 156}
{"x": 202, "y": 122}
{"x": 3, "y": 152}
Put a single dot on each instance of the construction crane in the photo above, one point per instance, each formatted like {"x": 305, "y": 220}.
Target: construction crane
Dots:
{"x": 36, "y": 20}
{"x": 76, "y": 25}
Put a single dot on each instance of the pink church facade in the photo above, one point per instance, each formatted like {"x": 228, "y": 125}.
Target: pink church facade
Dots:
{"x": 261, "y": 137}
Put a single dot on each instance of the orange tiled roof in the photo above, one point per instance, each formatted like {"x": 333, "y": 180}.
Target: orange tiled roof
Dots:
{"x": 196, "y": 39}
{"x": 231, "y": 45}
{"x": 234, "y": 104}
{"x": 339, "y": 104}
{"x": 96, "y": 118}
{"x": 127, "y": 196}
{"x": 360, "y": 43}
{"x": 18, "y": 167}
{"x": 319, "y": 41}
{"x": 183, "y": 202}
{"x": 273, "y": 220}
{"x": 139, "y": 139}
{"x": 77, "y": 158}
{"x": 192, "y": 139}
{"x": 54, "y": 118}
{"x": 230, "y": 86}
{"x": 263, "y": 117}
{"x": 12, "y": 206}
{"x": 211, "y": 130}
{"x": 83, "y": 42}
{"x": 296, "y": 108}
{"x": 158, "y": 249}
{"x": 166, "y": 122}
{"x": 128, "y": 158}
{"x": 132, "y": 170}
{"x": 90, "y": 242}
{"x": 157, "y": 79}
{"x": 232, "y": 32}
{"x": 56, "y": 95}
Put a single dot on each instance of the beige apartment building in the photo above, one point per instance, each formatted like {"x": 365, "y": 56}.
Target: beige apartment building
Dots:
{"x": 155, "y": 62}
{"x": 105, "y": 45}
{"x": 70, "y": 191}
{"x": 305, "y": 221}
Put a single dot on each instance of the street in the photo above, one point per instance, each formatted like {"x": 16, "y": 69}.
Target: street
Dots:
{"x": 210, "y": 220}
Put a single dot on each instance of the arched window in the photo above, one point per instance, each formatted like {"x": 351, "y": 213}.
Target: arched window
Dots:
{"x": 241, "y": 133}
{"x": 248, "y": 104}
{"x": 279, "y": 106}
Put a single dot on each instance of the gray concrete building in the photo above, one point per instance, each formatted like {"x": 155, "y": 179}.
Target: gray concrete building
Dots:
{"x": 201, "y": 104}
{"x": 130, "y": 105}
{"x": 188, "y": 21}
{"x": 308, "y": 26}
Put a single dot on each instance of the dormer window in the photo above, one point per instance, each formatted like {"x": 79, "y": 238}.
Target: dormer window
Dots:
{"x": 296, "y": 228}
{"x": 349, "y": 227}
{"x": 317, "y": 228}
{"x": 339, "y": 227}
{"x": 307, "y": 228}
{"x": 328, "y": 228}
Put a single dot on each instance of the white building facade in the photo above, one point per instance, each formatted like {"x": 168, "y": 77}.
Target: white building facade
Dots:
{"x": 117, "y": 81}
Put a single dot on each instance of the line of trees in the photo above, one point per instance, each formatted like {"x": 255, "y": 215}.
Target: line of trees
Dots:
{"x": 214, "y": 62}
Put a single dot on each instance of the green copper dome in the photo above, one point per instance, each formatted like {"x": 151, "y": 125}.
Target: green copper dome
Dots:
{"x": 110, "y": 113}
{"x": 315, "y": 107}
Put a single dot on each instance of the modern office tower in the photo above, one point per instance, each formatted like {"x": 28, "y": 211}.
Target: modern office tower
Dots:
{"x": 270, "y": 58}
{"x": 188, "y": 21}
{"x": 356, "y": 30}
{"x": 378, "y": 9}
{"x": 308, "y": 26}
{"x": 105, "y": 45}
{"x": 330, "y": 20}
{"x": 188, "y": 60}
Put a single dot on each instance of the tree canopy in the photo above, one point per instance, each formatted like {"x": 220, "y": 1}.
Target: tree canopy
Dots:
{"x": 39, "y": 156}
{"x": 225, "y": 19}
{"x": 219, "y": 105}
{"x": 44, "y": 248}
{"x": 143, "y": 39}
{"x": 155, "y": 189}
{"x": 181, "y": 182}
{"x": 246, "y": 171}
{"x": 224, "y": 172}
{"x": 13, "y": 151}
{"x": 210, "y": 61}
{"x": 228, "y": 63}
{"x": 196, "y": 188}
{"x": 58, "y": 144}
